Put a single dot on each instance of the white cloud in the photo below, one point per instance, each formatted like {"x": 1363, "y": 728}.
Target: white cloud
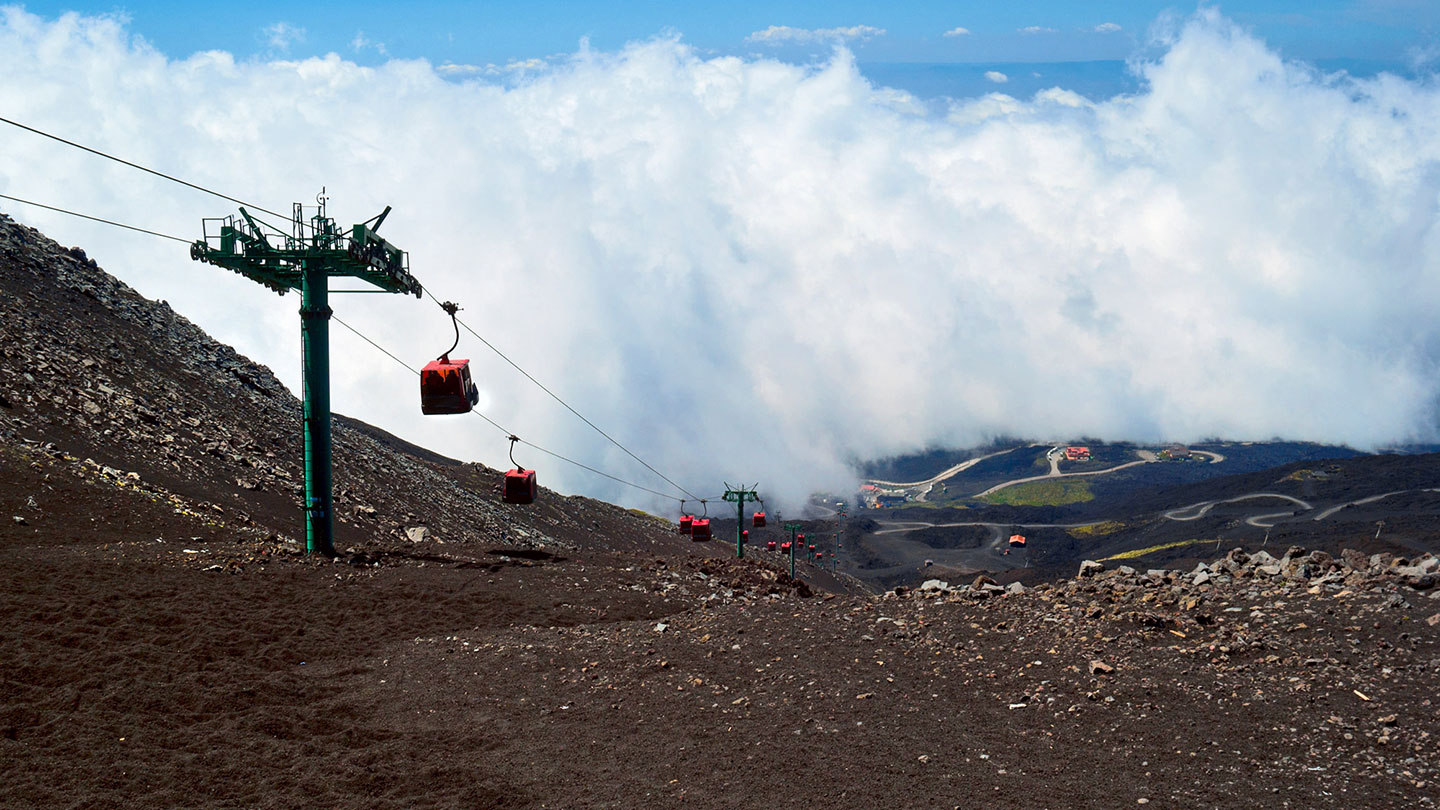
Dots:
{"x": 362, "y": 42}
{"x": 777, "y": 34}
{"x": 517, "y": 67}
{"x": 996, "y": 76}
{"x": 1037, "y": 29}
{"x": 1106, "y": 28}
{"x": 281, "y": 35}
{"x": 957, "y": 32}
{"x": 1420, "y": 57}
{"x": 459, "y": 70}
{"x": 680, "y": 245}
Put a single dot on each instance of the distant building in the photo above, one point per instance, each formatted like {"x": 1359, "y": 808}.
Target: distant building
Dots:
{"x": 1177, "y": 451}
{"x": 890, "y": 500}
{"x": 1077, "y": 453}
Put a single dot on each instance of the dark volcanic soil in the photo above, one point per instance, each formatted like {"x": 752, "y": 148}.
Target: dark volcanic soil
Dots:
{"x": 212, "y": 672}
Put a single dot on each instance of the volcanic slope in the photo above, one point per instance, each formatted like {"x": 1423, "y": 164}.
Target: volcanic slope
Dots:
{"x": 165, "y": 647}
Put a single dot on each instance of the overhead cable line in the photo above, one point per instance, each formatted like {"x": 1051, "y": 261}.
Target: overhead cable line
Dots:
{"x": 171, "y": 178}
{"x": 389, "y": 354}
{"x": 555, "y": 397}
{"x": 94, "y": 219}
{"x": 499, "y": 427}
{"x": 382, "y": 349}
{"x": 238, "y": 201}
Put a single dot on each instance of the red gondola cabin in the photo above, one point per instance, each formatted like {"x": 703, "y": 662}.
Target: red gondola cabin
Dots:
{"x": 685, "y": 523}
{"x": 770, "y": 546}
{"x": 700, "y": 529}
{"x": 446, "y": 387}
{"x": 759, "y": 520}
{"x": 745, "y": 536}
{"x": 519, "y": 486}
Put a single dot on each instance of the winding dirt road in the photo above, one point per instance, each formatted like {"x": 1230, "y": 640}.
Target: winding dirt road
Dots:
{"x": 889, "y": 542}
{"x": 988, "y": 557}
{"x": 1268, "y": 520}
{"x": 949, "y": 473}
{"x": 1146, "y": 457}
{"x": 1203, "y": 508}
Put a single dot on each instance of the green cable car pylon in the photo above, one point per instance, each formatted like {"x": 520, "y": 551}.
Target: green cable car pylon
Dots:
{"x": 793, "y": 528}
{"x": 739, "y": 496}
{"x": 304, "y": 260}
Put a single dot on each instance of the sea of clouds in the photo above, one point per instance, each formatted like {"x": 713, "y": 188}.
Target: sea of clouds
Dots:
{"x": 748, "y": 270}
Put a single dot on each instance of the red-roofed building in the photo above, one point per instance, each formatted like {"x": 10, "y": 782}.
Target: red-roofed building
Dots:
{"x": 1077, "y": 454}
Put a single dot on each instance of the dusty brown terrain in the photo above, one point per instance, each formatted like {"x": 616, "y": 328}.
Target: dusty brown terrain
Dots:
{"x": 163, "y": 645}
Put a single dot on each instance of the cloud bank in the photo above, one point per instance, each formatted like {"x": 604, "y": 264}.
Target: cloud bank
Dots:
{"x": 750, "y": 270}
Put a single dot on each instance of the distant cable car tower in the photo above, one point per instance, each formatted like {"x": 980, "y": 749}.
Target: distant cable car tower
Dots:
{"x": 304, "y": 260}
{"x": 739, "y": 495}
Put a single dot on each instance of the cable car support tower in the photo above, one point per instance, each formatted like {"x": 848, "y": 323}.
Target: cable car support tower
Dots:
{"x": 739, "y": 495}
{"x": 305, "y": 259}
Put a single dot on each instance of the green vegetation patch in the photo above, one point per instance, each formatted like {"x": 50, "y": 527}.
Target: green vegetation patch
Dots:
{"x": 1096, "y": 529}
{"x": 1053, "y": 492}
{"x": 945, "y": 504}
{"x": 1130, "y": 555}
{"x": 644, "y": 514}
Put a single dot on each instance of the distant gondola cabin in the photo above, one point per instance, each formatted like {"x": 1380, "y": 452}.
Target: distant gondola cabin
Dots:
{"x": 446, "y": 387}
{"x": 685, "y": 522}
{"x": 520, "y": 486}
{"x": 700, "y": 529}
{"x": 759, "y": 520}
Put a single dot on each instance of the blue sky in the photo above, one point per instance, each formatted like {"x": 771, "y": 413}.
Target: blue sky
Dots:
{"x": 1392, "y": 32}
